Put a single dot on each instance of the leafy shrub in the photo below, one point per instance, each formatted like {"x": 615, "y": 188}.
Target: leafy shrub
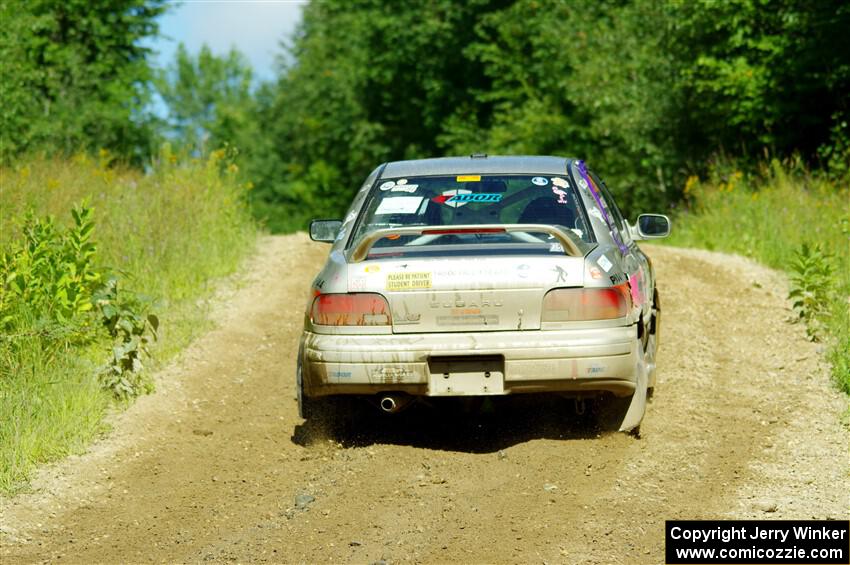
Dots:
{"x": 50, "y": 286}
{"x": 50, "y": 271}
{"x": 812, "y": 288}
{"x": 165, "y": 233}
{"x": 128, "y": 323}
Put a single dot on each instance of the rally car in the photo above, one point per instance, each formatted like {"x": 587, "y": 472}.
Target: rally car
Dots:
{"x": 481, "y": 276}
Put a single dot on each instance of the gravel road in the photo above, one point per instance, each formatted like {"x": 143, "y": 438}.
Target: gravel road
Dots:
{"x": 216, "y": 465}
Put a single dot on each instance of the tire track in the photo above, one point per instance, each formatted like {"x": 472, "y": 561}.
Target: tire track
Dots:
{"x": 744, "y": 424}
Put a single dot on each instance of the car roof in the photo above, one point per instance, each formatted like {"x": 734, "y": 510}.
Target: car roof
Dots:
{"x": 477, "y": 164}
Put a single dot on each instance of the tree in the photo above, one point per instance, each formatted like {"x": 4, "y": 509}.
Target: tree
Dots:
{"x": 646, "y": 91}
{"x": 75, "y": 75}
{"x": 756, "y": 74}
{"x": 362, "y": 83}
{"x": 209, "y": 98}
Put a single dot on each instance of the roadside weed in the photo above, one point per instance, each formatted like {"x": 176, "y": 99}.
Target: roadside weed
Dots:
{"x": 75, "y": 323}
{"x": 132, "y": 328}
{"x": 812, "y": 281}
{"x": 789, "y": 219}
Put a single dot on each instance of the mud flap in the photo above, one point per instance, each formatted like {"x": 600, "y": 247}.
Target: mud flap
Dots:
{"x": 651, "y": 350}
{"x": 299, "y": 384}
{"x": 637, "y": 407}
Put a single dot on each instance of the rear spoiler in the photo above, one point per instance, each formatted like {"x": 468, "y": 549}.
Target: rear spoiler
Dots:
{"x": 572, "y": 246}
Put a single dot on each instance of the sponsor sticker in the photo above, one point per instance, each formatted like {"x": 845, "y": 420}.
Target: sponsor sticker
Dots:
{"x": 461, "y": 197}
{"x": 404, "y": 187}
{"x": 605, "y": 263}
{"x": 448, "y": 195}
{"x": 587, "y": 182}
{"x": 468, "y": 178}
{"x": 407, "y": 318}
{"x": 562, "y": 274}
{"x": 391, "y": 374}
{"x": 617, "y": 278}
{"x": 540, "y": 181}
{"x": 387, "y": 185}
{"x": 523, "y": 270}
{"x": 562, "y": 195}
{"x": 399, "y": 205}
{"x": 357, "y": 283}
{"x": 468, "y": 320}
{"x": 596, "y": 214}
{"x": 636, "y": 285}
{"x": 408, "y": 281}
{"x": 556, "y": 248}
{"x": 558, "y": 181}
{"x": 478, "y": 197}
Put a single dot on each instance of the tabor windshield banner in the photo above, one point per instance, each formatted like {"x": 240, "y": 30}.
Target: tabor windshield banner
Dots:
{"x": 757, "y": 541}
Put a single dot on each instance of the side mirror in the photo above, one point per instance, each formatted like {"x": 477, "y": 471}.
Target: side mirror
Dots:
{"x": 324, "y": 230}
{"x": 653, "y": 226}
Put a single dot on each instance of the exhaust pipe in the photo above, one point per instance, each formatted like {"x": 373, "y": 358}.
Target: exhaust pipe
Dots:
{"x": 393, "y": 403}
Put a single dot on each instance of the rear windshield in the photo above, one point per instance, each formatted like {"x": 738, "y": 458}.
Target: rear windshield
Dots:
{"x": 474, "y": 200}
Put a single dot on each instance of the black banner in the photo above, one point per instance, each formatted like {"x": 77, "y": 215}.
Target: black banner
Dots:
{"x": 757, "y": 541}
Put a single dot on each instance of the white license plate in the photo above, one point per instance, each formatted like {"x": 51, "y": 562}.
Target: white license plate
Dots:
{"x": 471, "y": 376}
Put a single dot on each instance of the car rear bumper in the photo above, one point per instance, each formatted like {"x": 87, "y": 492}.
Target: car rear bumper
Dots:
{"x": 574, "y": 361}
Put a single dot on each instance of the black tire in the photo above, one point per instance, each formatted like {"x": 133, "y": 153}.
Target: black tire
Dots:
{"x": 655, "y": 320}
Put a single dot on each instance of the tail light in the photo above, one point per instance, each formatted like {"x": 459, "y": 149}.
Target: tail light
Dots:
{"x": 359, "y": 309}
{"x": 583, "y": 304}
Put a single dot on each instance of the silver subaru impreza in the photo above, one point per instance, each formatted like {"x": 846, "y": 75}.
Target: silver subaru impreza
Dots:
{"x": 480, "y": 276}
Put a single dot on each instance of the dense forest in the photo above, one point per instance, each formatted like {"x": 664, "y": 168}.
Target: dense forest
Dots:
{"x": 650, "y": 92}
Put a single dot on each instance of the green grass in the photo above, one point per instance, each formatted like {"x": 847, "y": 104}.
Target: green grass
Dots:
{"x": 768, "y": 216}
{"x": 168, "y": 234}
{"x": 51, "y": 407}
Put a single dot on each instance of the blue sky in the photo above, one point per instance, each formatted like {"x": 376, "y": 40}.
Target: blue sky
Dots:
{"x": 254, "y": 27}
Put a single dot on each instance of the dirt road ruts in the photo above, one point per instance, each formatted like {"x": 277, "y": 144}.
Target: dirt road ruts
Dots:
{"x": 217, "y": 465}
